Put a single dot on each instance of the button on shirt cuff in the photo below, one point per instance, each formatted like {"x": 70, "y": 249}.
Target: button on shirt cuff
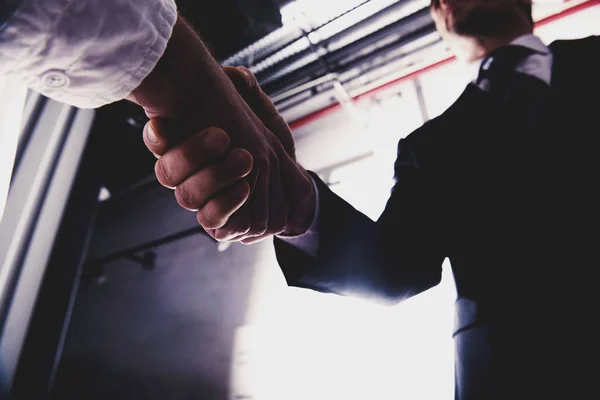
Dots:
{"x": 85, "y": 53}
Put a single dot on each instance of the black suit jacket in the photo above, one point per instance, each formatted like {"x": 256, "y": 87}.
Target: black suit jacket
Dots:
{"x": 506, "y": 187}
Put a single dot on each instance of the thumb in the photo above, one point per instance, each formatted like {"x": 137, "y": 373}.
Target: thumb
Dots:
{"x": 247, "y": 86}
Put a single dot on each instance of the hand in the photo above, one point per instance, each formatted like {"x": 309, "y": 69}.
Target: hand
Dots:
{"x": 300, "y": 191}
{"x": 208, "y": 177}
{"x": 188, "y": 93}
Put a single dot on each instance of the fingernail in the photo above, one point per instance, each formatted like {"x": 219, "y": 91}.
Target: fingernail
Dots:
{"x": 238, "y": 161}
{"x": 151, "y": 134}
{"x": 214, "y": 141}
{"x": 246, "y": 72}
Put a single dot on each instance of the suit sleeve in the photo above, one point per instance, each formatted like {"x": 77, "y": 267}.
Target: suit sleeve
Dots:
{"x": 392, "y": 259}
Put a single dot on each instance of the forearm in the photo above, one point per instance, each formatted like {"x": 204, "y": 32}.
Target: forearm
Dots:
{"x": 346, "y": 258}
{"x": 383, "y": 261}
{"x": 188, "y": 86}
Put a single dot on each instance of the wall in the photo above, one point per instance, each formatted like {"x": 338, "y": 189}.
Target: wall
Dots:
{"x": 161, "y": 334}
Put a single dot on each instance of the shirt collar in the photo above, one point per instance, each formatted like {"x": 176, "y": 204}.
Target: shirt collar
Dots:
{"x": 529, "y": 40}
{"x": 533, "y": 42}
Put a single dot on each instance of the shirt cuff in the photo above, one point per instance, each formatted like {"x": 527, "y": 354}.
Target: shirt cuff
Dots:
{"x": 86, "y": 53}
{"x": 308, "y": 242}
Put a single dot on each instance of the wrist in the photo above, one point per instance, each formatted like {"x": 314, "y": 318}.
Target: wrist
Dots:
{"x": 306, "y": 209}
{"x": 186, "y": 69}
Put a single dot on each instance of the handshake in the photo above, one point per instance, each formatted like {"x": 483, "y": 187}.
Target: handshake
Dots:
{"x": 222, "y": 145}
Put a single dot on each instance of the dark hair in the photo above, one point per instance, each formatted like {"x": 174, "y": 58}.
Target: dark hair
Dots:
{"x": 526, "y": 6}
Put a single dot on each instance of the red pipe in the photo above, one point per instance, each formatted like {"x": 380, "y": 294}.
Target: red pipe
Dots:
{"x": 334, "y": 107}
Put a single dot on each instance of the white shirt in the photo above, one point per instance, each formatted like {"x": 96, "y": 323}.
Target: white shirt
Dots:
{"x": 86, "y": 53}
{"x": 538, "y": 65}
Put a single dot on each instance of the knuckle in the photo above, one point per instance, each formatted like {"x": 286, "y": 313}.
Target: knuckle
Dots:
{"x": 212, "y": 141}
{"x": 188, "y": 154}
{"x": 241, "y": 227}
{"x": 259, "y": 231}
{"x": 237, "y": 165}
{"x": 304, "y": 189}
{"x": 279, "y": 226}
{"x": 163, "y": 172}
{"x": 276, "y": 230}
{"x": 208, "y": 222}
{"x": 186, "y": 198}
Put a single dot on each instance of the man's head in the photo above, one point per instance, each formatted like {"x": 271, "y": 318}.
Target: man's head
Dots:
{"x": 475, "y": 27}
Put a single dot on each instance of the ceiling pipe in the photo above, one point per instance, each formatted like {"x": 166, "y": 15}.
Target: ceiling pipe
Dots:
{"x": 302, "y": 88}
{"x": 278, "y": 41}
{"x": 365, "y": 66}
{"x": 273, "y": 72}
{"x": 283, "y": 80}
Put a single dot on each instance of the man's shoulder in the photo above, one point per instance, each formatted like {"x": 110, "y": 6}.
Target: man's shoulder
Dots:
{"x": 471, "y": 108}
{"x": 590, "y": 44}
{"x": 576, "y": 61}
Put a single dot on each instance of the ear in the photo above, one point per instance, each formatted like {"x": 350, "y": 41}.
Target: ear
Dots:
{"x": 526, "y": 5}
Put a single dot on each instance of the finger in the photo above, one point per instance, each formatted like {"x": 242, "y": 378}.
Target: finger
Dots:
{"x": 255, "y": 240}
{"x": 252, "y": 220}
{"x": 298, "y": 188}
{"x": 159, "y": 96}
{"x": 246, "y": 237}
{"x": 156, "y": 137}
{"x": 237, "y": 227}
{"x": 199, "y": 188}
{"x": 259, "y": 204}
{"x": 216, "y": 212}
{"x": 161, "y": 134}
{"x": 277, "y": 204}
{"x": 247, "y": 86}
{"x": 272, "y": 208}
{"x": 182, "y": 161}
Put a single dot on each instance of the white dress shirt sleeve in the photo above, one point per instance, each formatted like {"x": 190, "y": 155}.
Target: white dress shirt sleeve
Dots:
{"x": 309, "y": 241}
{"x": 85, "y": 53}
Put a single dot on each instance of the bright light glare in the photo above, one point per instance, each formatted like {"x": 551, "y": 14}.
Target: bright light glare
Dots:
{"x": 301, "y": 344}
{"x": 315, "y": 12}
{"x": 366, "y": 11}
{"x": 311, "y": 14}
{"x": 578, "y": 25}
{"x": 12, "y": 101}
{"x": 323, "y": 347}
